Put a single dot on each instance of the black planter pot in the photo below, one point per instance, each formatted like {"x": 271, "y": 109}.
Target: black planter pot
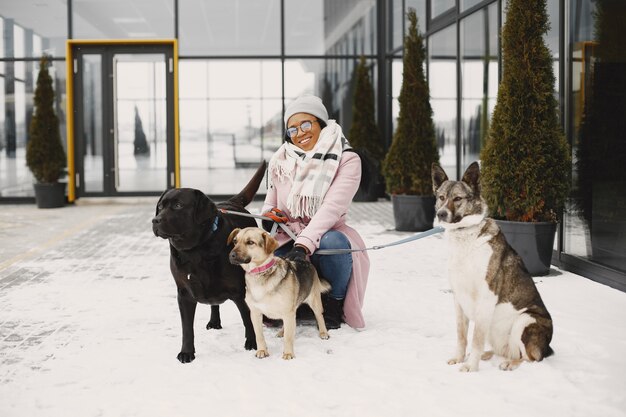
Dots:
{"x": 50, "y": 195}
{"x": 372, "y": 186}
{"x": 413, "y": 213}
{"x": 533, "y": 242}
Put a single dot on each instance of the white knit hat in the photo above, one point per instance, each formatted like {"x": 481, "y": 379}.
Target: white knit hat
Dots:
{"x": 307, "y": 104}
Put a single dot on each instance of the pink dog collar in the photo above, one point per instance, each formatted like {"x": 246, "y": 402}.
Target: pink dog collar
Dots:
{"x": 263, "y": 268}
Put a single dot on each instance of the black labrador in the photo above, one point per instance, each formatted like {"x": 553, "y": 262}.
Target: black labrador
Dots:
{"x": 197, "y": 232}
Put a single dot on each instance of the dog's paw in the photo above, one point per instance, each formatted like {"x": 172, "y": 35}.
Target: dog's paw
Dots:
{"x": 510, "y": 365}
{"x": 288, "y": 356}
{"x": 213, "y": 325}
{"x": 324, "y": 335}
{"x": 455, "y": 360}
{"x": 186, "y": 357}
{"x": 281, "y": 332}
{"x": 466, "y": 367}
{"x": 487, "y": 355}
{"x": 250, "y": 344}
{"x": 262, "y": 354}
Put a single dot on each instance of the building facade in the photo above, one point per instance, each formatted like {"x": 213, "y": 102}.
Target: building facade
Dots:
{"x": 231, "y": 67}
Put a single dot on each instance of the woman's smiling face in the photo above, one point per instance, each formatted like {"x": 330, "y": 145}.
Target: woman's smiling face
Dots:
{"x": 304, "y": 140}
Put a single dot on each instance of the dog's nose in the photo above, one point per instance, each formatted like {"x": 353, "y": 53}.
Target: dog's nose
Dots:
{"x": 156, "y": 220}
{"x": 232, "y": 258}
{"x": 442, "y": 215}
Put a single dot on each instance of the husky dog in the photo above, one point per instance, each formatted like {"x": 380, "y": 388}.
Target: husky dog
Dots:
{"x": 276, "y": 287}
{"x": 491, "y": 286}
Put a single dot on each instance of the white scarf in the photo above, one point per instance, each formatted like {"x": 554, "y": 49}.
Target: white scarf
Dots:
{"x": 314, "y": 170}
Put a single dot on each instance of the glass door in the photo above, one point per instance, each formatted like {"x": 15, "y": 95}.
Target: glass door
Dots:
{"x": 139, "y": 123}
{"x": 124, "y": 120}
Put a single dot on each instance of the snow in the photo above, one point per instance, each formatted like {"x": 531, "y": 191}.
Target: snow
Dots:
{"x": 98, "y": 336}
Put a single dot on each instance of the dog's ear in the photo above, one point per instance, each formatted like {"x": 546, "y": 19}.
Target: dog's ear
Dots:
{"x": 271, "y": 244}
{"x": 438, "y": 175}
{"x": 156, "y": 210}
{"x": 232, "y": 235}
{"x": 204, "y": 209}
{"x": 472, "y": 177}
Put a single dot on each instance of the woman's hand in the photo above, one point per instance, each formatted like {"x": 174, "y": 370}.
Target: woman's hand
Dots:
{"x": 297, "y": 253}
{"x": 277, "y": 215}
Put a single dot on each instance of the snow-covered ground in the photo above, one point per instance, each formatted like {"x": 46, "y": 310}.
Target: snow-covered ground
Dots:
{"x": 90, "y": 327}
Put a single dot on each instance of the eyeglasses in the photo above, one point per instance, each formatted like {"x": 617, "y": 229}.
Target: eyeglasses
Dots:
{"x": 305, "y": 126}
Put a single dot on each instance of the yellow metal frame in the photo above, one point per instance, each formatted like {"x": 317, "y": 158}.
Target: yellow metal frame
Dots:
{"x": 69, "y": 64}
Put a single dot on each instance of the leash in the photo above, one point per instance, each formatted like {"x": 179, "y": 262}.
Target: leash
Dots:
{"x": 435, "y": 230}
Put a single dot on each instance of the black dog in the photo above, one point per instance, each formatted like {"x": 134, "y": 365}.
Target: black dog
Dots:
{"x": 197, "y": 232}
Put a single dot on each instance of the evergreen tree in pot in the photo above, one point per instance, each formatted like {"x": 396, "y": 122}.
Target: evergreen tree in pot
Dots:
{"x": 45, "y": 155}
{"x": 365, "y": 137}
{"x": 526, "y": 163}
{"x": 414, "y": 148}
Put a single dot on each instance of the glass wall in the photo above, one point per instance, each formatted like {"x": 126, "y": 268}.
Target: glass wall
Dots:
{"x": 29, "y": 29}
{"x": 232, "y": 28}
{"x": 442, "y": 80}
{"x": 127, "y": 19}
{"x": 17, "y": 81}
{"x": 595, "y": 225}
{"x": 479, "y": 80}
{"x": 230, "y": 113}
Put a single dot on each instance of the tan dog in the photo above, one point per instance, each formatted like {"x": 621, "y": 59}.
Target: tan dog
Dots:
{"x": 276, "y": 287}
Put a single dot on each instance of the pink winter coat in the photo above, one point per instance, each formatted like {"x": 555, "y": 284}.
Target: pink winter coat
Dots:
{"x": 330, "y": 215}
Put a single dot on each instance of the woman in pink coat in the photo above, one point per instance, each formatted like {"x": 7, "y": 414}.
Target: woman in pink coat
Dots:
{"x": 313, "y": 177}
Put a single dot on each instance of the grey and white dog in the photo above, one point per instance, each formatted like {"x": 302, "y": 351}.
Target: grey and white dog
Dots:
{"x": 491, "y": 286}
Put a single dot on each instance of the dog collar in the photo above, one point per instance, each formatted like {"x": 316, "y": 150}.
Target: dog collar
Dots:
{"x": 263, "y": 268}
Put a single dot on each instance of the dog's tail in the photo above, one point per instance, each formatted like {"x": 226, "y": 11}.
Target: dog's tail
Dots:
{"x": 324, "y": 286}
{"x": 246, "y": 195}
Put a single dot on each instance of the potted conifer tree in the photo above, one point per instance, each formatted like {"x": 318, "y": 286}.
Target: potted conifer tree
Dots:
{"x": 414, "y": 148}
{"x": 526, "y": 163}
{"x": 365, "y": 137}
{"x": 45, "y": 155}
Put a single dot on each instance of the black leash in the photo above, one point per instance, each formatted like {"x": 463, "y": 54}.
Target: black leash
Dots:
{"x": 417, "y": 236}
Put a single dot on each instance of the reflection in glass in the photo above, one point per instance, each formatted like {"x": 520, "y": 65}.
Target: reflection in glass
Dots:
{"x": 140, "y": 136}
{"x": 304, "y": 27}
{"x": 130, "y": 19}
{"x": 440, "y": 6}
{"x": 443, "y": 94}
{"x": 349, "y": 27}
{"x": 230, "y": 117}
{"x": 330, "y": 79}
{"x": 16, "y": 110}
{"x": 595, "y": 227}
{"x": 397, "y": 26}
{"x": 479, "y": 80}
{"x": 467, "y": 4}
{"x": 43, "y": 28}
{"x": 243, "y": 27}
{"x": 93, "y": 167}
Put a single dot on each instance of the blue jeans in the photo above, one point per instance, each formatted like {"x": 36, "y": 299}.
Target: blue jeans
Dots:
{"x": 335, "y": 269}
